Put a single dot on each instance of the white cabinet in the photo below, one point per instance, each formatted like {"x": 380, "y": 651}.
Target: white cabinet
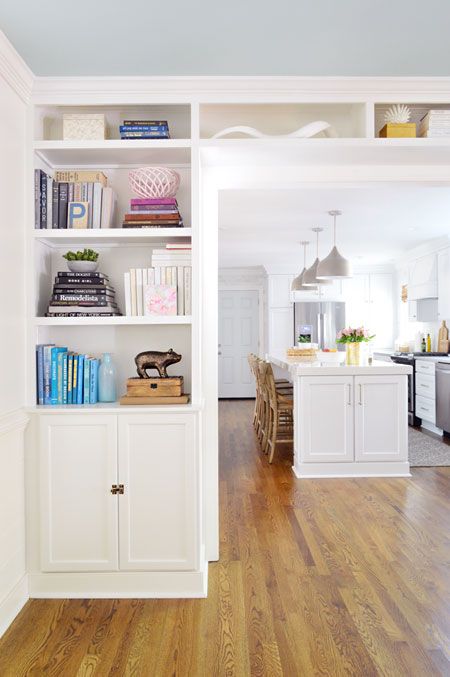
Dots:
{"x": 352, "y": 419}
{"x": 380, "y": 418}
{"x": 444, "y": 284}
{"x": 328, "y": 399}
{"x": 158, "y": 510}
{"x": 78, "y": 466}
{"x": 279, "y": 290}
{"x": 281, "y": 329}
{"x": 423, "y": 278}
{"x": 369, "y": 302}
{"x": 119, "y": 492}
{"x": 425, "y": 390}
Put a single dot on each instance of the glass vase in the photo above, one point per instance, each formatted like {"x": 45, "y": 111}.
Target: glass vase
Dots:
{"x": 352, "y": 354}
{"x": 107, "y": 379}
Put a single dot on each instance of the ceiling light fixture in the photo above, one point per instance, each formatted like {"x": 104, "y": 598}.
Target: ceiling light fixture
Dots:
{"x": 297, "y": 283}
{"x": 310, "y": 277}
{"x": 334, "y": 266}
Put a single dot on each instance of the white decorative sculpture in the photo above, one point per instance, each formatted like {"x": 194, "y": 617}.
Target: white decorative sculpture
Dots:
{"x": 398, "y": 113}
{"x": 305, "y": 132}
{"x": 154, "y": 182}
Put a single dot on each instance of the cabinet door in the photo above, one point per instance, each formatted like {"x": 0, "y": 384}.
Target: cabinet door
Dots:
{"x": 325, "y": 415}
{"x": 158, "y": 512}
{"x": 279, "y": 295}
{"x": 444, "y": 284}
{"x": 381, "y": 418}
{"x": 356, "y": 296}
{"x": 78, "y": 466}
{"x": 380, "y": 316}
{"x": 281, "y": 329}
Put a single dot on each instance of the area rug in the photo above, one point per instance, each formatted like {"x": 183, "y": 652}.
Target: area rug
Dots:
{"x": 426, "y": 451}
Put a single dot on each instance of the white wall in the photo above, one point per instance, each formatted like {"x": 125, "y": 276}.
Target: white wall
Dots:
{"x": 13, "y": 588}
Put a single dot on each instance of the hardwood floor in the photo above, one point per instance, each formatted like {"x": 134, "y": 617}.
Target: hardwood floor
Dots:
{"x": 316, "y": 577}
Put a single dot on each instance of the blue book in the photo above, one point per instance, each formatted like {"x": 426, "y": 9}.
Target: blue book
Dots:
{"x": 93, "y": 382}
{"x": 87, "y": 361}
{"x": 80, "y": 379}
{"x": 54, "y": 374}
{"x": 61, "y": 359}
{"x": 144, "y": 128}
{"x": 70, "y": 357}
{"x": 47, "y": 373}
{"x": 65, "y": 384}
{"x": 40, "y": 373}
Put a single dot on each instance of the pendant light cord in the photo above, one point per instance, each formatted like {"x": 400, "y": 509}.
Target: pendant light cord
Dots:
{"x": 334, "y": 229}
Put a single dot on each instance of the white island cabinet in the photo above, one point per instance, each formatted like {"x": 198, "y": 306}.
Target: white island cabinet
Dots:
{"x": 349, "y": 421}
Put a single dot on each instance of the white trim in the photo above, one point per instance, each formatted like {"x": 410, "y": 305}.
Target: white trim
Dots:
{"x": 13, "y": 420}
{"x": 14, "y": 69}
{"x": 333, "y": 470}
{"x": 13, "y": 603}
{"x": 121, "y": 584}
{"x": 251, "y": 287}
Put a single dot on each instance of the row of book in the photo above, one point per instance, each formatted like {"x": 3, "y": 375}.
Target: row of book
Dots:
{"x": 164, "y": 290}
{"x": 144, "y": 129}
{"x": 436, "y": 123}
{"x": 72, "y": 199}
{"x": 82, "y": 295}
{"x": 65, "y": 377}
{"x": 153, "y": 213}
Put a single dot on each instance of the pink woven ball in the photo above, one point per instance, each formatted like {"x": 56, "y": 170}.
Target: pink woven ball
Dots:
{"x": 154, "y": 182}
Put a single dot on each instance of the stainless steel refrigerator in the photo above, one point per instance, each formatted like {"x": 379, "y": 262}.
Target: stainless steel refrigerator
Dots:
{"x": 319, "y": 321}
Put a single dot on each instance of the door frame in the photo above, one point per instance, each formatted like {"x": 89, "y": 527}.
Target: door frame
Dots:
{"x": 260, "y": 290}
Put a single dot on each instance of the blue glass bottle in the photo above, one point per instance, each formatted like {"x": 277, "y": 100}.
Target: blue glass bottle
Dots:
{"x": 107, "y": 379}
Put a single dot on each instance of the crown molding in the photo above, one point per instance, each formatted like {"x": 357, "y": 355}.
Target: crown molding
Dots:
{"x": 14, "y": 69}
{"x": 205, "y": 88}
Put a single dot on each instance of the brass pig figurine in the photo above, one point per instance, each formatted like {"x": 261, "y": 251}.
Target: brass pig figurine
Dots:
{"x": 152, "y": 359}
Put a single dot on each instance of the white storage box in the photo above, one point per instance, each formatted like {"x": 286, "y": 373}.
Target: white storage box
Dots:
{"x": 83, "y": 126}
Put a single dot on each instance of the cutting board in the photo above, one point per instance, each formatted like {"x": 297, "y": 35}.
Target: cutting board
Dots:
{"x": 443, "y": 338}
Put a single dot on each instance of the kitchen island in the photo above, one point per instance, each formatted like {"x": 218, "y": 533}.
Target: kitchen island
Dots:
{"x": 349, "y": 421}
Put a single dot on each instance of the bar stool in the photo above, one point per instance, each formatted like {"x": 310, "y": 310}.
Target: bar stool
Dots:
{"x": 280, "y": 428}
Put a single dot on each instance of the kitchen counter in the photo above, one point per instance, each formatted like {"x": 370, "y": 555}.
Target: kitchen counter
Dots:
{"x": 349, "y": 421}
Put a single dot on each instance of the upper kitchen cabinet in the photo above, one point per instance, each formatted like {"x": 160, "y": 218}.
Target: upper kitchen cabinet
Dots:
{"x": 443, "y": 267}
{"x": 423, "y": 278}
{"x": 279, "y": 290}
{"x": 369, "y": 302}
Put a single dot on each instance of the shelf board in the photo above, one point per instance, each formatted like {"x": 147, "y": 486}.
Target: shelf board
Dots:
{"x": 109, "y": 408}
{"x": 336, "y": 151}
{"x": 114, "y": 152}
{"x": 111, "y": 235}
{"x": 120, "y": 320}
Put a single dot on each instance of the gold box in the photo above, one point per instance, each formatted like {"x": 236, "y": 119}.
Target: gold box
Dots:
{"x": 398, "y": 130}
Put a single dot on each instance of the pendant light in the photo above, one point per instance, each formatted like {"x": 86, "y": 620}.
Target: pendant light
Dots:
{"x": 297, "y": 283}
{"x": 334, "y": 266}
{"x": 310, "y": 276}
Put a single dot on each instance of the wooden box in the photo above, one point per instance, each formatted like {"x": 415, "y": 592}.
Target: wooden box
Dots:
{"x": 155, "y": 387}
{"x": 84, "y": 126}
{"x": 398, "y": 130}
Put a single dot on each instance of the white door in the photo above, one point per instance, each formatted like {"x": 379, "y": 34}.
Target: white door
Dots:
{"x": 158, "y": 511}
{"x": 238, "y": 336}
{"x": 325, "y": 419}
{"x": 381, "y": 417}
{"x": 78, "y": 466}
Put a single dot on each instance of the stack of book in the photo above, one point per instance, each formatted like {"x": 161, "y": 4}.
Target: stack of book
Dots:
{"x": 144, "y": 129}
{"x": 64, "y": 377}
{"x": 82, "y": 295}
{"x": 163, "y": 289}
{"x": 436, "y": 123}
{"x": 72, "y": 199}
{"x": 160, "y": 212}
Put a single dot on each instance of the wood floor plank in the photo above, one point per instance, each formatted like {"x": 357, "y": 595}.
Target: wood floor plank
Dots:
{"x": 316, "y": 577}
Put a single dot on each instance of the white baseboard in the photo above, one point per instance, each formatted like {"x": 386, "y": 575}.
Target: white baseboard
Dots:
{"x": 336, "y": 470}
{"x": 123, "y": 584}
{"x": 13, "y": 603}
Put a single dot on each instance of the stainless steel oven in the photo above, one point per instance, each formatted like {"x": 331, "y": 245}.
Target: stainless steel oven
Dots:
{"x": 409, "y": 360}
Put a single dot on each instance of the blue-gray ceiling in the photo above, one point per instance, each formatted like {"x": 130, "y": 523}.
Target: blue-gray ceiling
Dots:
{"x": 230, "y": 37}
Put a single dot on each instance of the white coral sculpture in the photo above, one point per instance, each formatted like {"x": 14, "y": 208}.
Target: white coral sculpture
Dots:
{"x": 398, "y": 113}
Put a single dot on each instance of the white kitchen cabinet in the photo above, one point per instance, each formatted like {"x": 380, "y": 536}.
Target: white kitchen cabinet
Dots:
{"x": 369, "y": 302}
{"x": 119, "y": 492}
{"x": 279, "y": 290}
{"x": 328, "y": 399}
{"x": 158, "y": 510}
{"x": 444, "y": 285}
{"x": 423, "y": 278}
{"x": 78, "y": 467}
{"x": 281, "y": 329}
{"x": 381, "y": 418}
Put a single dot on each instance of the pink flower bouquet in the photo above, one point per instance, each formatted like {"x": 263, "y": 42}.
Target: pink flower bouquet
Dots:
{"x": 353, "y": 335}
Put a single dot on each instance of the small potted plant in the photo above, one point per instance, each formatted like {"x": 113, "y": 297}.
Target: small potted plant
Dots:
{"x": 82, "y": 262}
{"x": 352, "y": 338}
